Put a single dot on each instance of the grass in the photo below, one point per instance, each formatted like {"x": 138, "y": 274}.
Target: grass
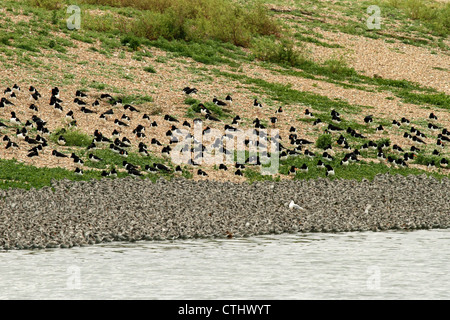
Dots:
{"x": 210, "y": 52}
{"x": 323, "y": 141}
{"x": 440, "y": 100}
{"x": 134, "y": 99}
{"x": 435, "y": 16}
{"x": 194, "y": 110}
{"x": 150, "y": 69}
{"x": 282, "y": 52}
{"x": 74, "y": 137}
{"x": 303, "y": 38}
{"x": 356, "y": 171}
{"x": 288, "y": 96}
{"x": 337, "y": 71}
{"x": 197, "y": 20}
{"x": 18, "y": 175}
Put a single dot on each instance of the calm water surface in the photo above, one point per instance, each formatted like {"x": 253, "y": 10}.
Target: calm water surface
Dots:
{"x": 356, "y": 265}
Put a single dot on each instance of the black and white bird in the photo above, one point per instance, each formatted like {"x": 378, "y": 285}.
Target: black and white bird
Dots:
{"x": 130, "y": 108}
{"x": 134, "y": 172}
{"x": 203, "y": 109}
{"x": 126, "y": 118}
{"x": 80, "y": 94}
{"x": 345, "y": 161}
{"x": 120, "y": 123}
{"x": 54, "y": 100}
{"x": 6, "y": 103}
{"x": 76, "y": 159}
{"x": 55, "y": 92}
{"x": 236, "y": 120}
{"x": 14, "y": 118}
{"x": 178, "y": 170}
{"x": 106, "y": 96}
{"x": 59, "y": 154}
{"x": 188, "y": 90}
{"x": 61, "y": 140}
{"x": 333, "y": 128}
{"x": 327, "y": 156}
{"x": 161, "y": 167}
{"x": 16, "y": 88}
{"x": 79, "y": 102}
{"x": 155, "y": 141}
{"x": 8, "y": 91}
{"x": 309, "y": 154}
{"x": 229, "y": 100}
{"x": 115, "y": 134}
{"x": 218, "y": 102}
{"x": 143, "y": 151}
{"x": 21, "y": 133}
{"x": 58, "y": 107}
{"x": 273, "y": 120}
{"x": 86, "y": 110}
{"x": 151, "y": 169}
{"x": 69, "y": 116}
{"x": 123, "y": 153}
{"x": 336, "y": 119}
{"x": 11, "y": 144}
{"x": 32, "y": 154}
{"x": 368, "y": 119}
{"x": 94, "y": 158}
{"x": 117, "y": 103}
{"x": 330, "y": 170}
{"x": 432, "y": 126}
{"x": 210, "y": 117}
{"x": 257, "y": 104}
{"x": 292, "y": 170}
{"x": 170, "y": 118}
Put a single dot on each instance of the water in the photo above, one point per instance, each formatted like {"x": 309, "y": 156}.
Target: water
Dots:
{"x": 357, "y": 265}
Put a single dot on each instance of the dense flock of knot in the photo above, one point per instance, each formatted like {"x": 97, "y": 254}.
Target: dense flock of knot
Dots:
{"x": 81, "y": 213}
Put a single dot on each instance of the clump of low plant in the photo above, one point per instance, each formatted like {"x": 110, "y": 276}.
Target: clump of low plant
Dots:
{"x": 150, "y": 69}
{"x": 323, "y": 141}
{"x": 281, "y": 51}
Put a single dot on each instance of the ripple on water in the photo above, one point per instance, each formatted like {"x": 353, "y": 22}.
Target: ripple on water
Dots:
{"x": 354, "y": 265}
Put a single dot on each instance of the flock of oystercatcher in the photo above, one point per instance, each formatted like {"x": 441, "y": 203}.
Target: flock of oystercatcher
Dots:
{"x": 27, "y": 130}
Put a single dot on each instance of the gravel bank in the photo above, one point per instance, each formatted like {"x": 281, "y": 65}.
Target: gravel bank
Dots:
{"x": 85, "y": 213}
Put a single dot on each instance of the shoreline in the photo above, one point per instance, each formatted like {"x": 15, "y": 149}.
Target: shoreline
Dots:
{"x": 84, "y": 213}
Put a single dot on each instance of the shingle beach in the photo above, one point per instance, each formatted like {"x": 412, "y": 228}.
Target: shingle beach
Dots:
{"x": 85, "y": 213}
